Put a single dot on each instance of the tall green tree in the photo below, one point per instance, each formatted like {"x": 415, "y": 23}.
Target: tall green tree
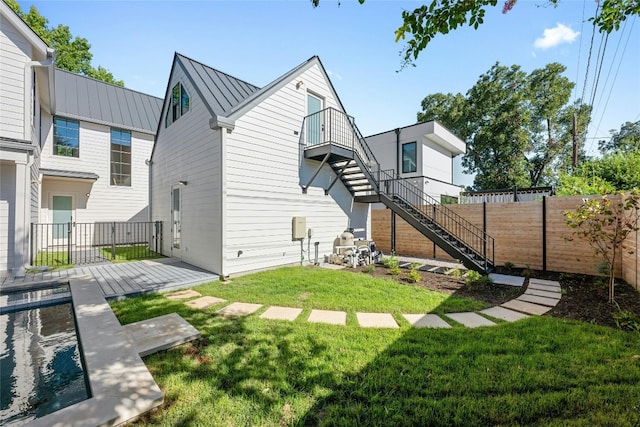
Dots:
{"x": 72, "y": 53}
{"x": 626, "y": 140}
{"x": 518, "y": 126}
{"x": 422, "y": 24}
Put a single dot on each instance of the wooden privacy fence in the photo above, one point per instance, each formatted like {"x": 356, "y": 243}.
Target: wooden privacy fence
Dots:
{"x": 530, "y": 234}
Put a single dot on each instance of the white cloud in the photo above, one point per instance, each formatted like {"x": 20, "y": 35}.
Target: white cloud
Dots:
{"x": 334, "y": 75}
{"x": 555, "y": 36}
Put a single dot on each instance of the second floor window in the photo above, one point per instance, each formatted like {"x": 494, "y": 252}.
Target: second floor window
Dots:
{"x": 179, "y": 106}
{"x": 120, "y": 157}
{"x": 66, "y": 137}
{"x": 409, "y": 158}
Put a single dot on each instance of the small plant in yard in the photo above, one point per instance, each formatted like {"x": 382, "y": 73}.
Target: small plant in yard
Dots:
{"x": 605, "y": 224}
{"x": 477, "y": 280}
{"x": 395, "y": 270}
{"x": 456, "y": 273}
{"x": 414, "y": 276}
{"x": 527, "y": 272}
{"x": 626, "y": 320}
{"x": 390, "y": 262}
{"x": 370, "y": 269}
{"x": 508, "y": 266}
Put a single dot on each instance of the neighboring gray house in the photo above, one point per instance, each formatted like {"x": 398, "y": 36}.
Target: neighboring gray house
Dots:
{"x": 422, "y": 154}
{"x": 227, "y": 169}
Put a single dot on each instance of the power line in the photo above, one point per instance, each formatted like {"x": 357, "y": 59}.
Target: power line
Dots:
{"x": 593, "y": 33}
{"x": 575, "y": 89}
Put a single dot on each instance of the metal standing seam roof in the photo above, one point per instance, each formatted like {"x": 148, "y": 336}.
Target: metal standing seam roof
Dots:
{"x": 84, "y": 98}
{"x": 219, "y": 90}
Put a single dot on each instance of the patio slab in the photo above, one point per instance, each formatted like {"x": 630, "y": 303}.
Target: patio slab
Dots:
{"x": 504, "y": 279}
{"x": 376, "y": 320}
{"x": 160, "y": 333}
{"x": 186, "y": 294}
{"x": 551, "y": 302}
{"x": 504, "y": 314}
{"x": 281, "y": 313}
{"x": 546, "y": 294}
{"x": 328, "y": 316}
{"x": 204, "y": 302}
{"x": 239, "y": 309}
{"x": 526, "y": 307}
{"x": 470, "y": 319}
{"x": 426, "y": 321}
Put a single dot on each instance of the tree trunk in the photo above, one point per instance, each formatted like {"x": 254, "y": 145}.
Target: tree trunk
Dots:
{"x": 612, "y": 278}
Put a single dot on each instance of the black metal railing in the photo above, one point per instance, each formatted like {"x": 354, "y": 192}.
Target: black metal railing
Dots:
{"x": 72, "y": 243}
{"x": 472, "y": 237}
{"x": 332, "y": 126}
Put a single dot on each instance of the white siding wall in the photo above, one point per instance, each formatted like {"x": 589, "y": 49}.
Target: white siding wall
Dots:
{"x": 264, "y": 172}
{"x": 189, "y": 150}
{"x": 106, "y": 202}
{"x": 15, "y": 51}
{"x": 7, "y": 214}
{"x": 436, "y": 161}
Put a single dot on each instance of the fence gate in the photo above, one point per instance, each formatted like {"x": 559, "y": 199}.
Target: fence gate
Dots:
{"x": 58, "y": 244}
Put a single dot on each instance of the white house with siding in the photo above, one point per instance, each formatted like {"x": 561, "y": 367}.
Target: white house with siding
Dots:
{"x": 94, "y": 150}
{"x": 71, "y": 147}
{"x": 227, "y": 170}
{"x": 26, "y": 92}
{"x": 421, "y": 154}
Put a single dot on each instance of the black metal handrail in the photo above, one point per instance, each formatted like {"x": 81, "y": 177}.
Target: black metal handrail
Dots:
{"x": 332, "y": 126}
{"x": 473, "y": 237}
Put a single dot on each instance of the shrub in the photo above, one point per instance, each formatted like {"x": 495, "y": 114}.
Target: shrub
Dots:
{"x": 626, "y": 320}
{"x": 477, "y": 280}
{"x": 413, "y": 276}
{"x": 395, "y": 270}
{"x": 508, "y": 266}
{"x": 456, "y": 273}
{"x": 390, "y": 262}
{"x": 371, "y": 268}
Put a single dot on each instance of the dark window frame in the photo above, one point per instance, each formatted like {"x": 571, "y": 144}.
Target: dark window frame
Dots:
{"x": 120, "y": 170}
{"x": 415, "y": 157}
{"x": 61, "y": 129}
{"x": 180, "y": 104}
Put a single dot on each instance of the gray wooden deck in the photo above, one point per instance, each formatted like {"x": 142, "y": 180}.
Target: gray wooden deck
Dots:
{"x": 125, "y": 279}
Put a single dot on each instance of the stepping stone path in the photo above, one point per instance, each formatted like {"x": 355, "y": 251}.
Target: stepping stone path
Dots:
{"x": 539, "y": 297}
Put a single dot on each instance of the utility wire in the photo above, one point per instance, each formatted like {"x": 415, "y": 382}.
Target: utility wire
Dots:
{"x": 593, "y": 33}
{"x": 624, "y": 49}
{"x": 575, "y": 89}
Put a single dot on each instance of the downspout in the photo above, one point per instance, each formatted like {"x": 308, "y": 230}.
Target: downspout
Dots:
{"x": 397, "y": 175}
{"x": 47, "y": 63}
{"x": 149, "y": 164}
{"x": 397, "y": 131}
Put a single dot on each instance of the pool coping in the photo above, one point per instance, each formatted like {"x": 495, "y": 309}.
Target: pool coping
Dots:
{"x": 121, "y": 386}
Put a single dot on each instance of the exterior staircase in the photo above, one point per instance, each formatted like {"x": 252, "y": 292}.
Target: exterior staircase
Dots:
{"x": 331, "y": 137}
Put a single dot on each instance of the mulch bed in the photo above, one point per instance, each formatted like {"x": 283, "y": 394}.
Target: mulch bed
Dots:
{"x": 585, "y": 298}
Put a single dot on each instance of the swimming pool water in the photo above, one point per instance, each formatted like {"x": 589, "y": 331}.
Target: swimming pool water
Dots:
{"x": 40, "y": 365}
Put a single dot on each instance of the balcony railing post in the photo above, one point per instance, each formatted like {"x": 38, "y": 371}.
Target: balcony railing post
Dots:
{"x": 69, "y": 260}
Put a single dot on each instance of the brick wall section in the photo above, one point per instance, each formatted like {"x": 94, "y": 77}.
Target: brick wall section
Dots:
{"x": 518, "y": 232}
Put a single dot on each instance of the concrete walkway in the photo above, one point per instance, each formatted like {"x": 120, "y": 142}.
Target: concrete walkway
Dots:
{"x": 539, "y": 297}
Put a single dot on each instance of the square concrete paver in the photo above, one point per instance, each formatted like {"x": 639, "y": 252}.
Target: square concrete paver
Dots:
{"x": 186, "y": 294}
{"x": 281, "y": 313}
{"x": 160, "y": 333}
{"x": 504, "y": 314}
{"x": 426, "y": 321}
{"x": 239, "y": 309}
{"x": 376, "y": 320}
{"x": 526, "y": 307}
{"x": 540, "y": 293}
{"x": 551, "y": 302}
{"x": 470, "y": 319}
{"x": 544, "y": 282}
{"x": 503, "y": 279}
{"x": 540, "y": 287}
{"x": 204, "y": 302}
{"x": 328, "y": 316}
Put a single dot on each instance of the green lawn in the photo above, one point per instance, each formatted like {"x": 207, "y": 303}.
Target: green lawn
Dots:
{"x": 129, "y": 253}
{"x": 251, "y": 371}
{"x": 55, "y": 260}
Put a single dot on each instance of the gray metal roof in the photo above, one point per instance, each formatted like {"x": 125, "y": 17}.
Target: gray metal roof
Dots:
{"x": 83, "y": 98}
{"x": 69, "y": 174}
{"x": 220, "y": 91}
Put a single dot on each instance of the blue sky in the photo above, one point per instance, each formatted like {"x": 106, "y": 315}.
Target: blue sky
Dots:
{"x": 258, "y": 41}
